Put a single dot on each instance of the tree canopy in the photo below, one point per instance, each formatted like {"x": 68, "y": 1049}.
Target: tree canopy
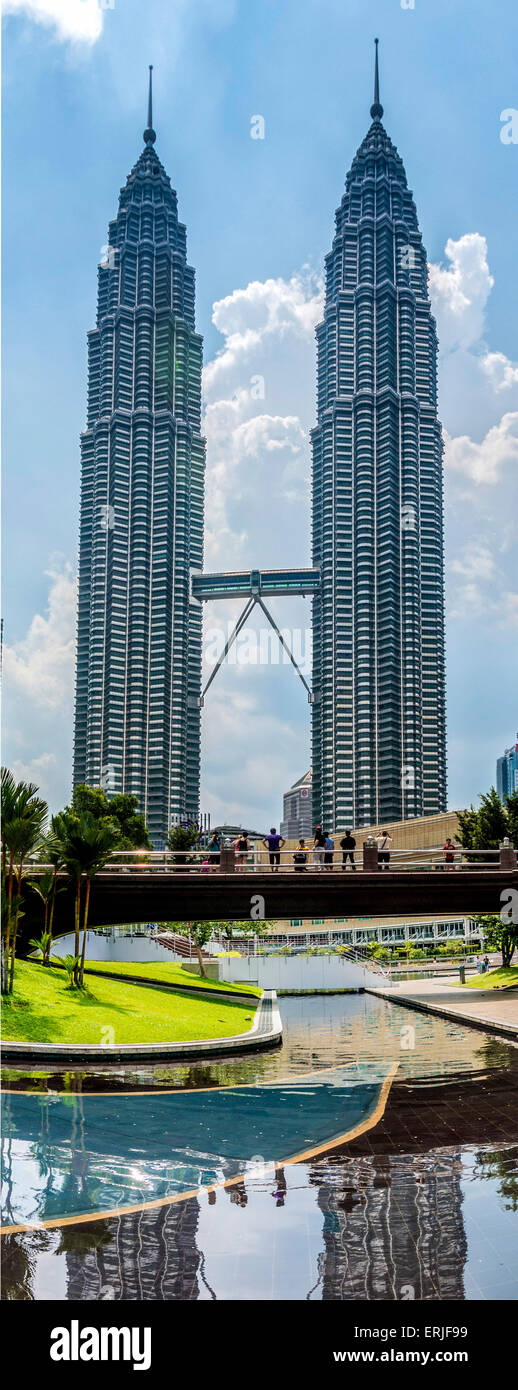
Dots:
{"x": 486, "y": 826}
{"x": 499, "y": 935}
{"x": 120, "y": 810}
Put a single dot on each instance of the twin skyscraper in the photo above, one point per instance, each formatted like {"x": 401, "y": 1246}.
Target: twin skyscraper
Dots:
{"x": 378, "y": 696}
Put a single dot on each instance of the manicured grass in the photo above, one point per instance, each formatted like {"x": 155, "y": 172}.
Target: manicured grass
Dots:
{"x": 43, "y": 1009}
{"x": 495, "y": 979}
{"x": 171, "y": 973}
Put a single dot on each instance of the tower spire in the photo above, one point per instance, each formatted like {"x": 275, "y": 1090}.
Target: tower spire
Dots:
{"x": 376, "y": 108}
{"x": 149, "y": 134}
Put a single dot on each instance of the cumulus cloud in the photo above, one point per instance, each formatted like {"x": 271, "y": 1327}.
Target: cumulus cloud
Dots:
{"x": 251, "y": 463}
{"x": 257, "y": 454}
{"x": 78, "y": 20}
{"x": 485, "y": 462}
{"x": 480, "y": 590}
{"x": 41, "y": 666}
{"x": 460, "y": 292}
{"x": 500, "y": 371}
{"x": 264, "y": 310}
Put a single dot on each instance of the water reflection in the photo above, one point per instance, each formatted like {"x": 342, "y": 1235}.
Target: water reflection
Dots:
{"x": 319, "y": 1031}
{"x": 424, "y": 1205}
{"x": 396, "y": 1228}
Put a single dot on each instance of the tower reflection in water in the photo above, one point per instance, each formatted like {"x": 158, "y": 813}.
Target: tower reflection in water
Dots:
{"x": 392, "y": 1229}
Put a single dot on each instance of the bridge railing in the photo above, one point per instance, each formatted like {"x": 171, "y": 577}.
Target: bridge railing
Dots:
{"x": 261, "y": 860}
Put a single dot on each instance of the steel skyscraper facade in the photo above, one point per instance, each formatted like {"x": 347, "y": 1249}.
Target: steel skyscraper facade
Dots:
{"x": 378, "y": 621}
{"x": 137, "y": 726}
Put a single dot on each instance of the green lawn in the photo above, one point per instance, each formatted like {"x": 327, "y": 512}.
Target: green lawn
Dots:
{"x": 172, "y": 973}
{"x": 43, "y": 1009}
{"x": 495, "y": 979}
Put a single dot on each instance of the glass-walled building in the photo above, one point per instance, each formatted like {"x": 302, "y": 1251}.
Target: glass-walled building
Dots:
{"x": 507, "y": 772}
{"x": 137, "y": 725}
{"x": 379, "y": 712}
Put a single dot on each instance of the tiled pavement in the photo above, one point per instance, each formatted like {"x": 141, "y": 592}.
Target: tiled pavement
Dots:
{"x": 483, "y": 1006}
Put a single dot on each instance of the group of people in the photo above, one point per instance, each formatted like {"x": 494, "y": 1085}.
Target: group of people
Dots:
{"x": 321, "y": 851}
{"x": 482, "y": 964}
{"x": 323, "y": 848}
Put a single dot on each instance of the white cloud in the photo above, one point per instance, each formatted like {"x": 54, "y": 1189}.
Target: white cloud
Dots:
{"x": 41, "y": 666}
{"x": 485, "y": 462}
{"x": 264, "y": 310}
{"x": 481, "y": 591}
{"x": 251, "y": 462}
{"x": 258, "y": 455}
{"x": 76, "y": 20}
{"x": 475, "y": 562}
{"x": 459, "y": 293}
{"x": 501, "y": 372}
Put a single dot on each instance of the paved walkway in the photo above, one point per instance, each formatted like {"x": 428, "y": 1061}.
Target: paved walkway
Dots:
{"x": 484, "y": 1007}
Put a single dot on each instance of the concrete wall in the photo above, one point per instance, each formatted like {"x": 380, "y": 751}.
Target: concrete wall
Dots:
{"x": 298, "y": 972}
{"x": 132, "y": 948}
{"x": 423, "y": 832}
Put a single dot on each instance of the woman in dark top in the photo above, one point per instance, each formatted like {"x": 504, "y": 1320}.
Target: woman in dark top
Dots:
{"x": 242, "y": 852}
{"x": 319, "y": 847}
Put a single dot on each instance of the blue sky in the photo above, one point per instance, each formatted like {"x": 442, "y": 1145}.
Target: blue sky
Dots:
{"x": 259, "y": 217}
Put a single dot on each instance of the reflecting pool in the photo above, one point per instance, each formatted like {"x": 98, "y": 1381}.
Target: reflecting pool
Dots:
{"x": 373, "y": 1156}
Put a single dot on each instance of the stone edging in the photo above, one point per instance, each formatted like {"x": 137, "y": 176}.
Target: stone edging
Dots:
{"x": 266, "y": 1031}
{"x": 488, "y": 1025}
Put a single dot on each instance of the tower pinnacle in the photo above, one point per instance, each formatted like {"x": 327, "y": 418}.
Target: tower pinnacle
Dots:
{"x": 149, "y": 133}
{"x": 376, "y": 108}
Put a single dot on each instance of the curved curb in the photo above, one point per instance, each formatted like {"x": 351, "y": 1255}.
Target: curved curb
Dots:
{"x": 266, "y": 1031}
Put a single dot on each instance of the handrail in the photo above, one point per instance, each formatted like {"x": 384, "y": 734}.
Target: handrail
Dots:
{"x": 321, "y": 861}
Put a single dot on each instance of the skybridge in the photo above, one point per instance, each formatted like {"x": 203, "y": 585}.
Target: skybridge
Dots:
{"x": 244, "y": 583}
{"x": 254, "y": 585}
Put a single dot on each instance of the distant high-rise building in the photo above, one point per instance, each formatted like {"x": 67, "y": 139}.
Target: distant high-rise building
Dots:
{"x": 298, "y": 809}
{"x": 379, "y": 714}
{"x": 507, "y": 772}
{"x": 137, "y": 725}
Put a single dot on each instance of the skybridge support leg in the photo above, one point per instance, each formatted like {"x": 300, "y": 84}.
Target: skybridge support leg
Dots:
{"x": 228, "y": 644}
{"x": 285, "y": 648}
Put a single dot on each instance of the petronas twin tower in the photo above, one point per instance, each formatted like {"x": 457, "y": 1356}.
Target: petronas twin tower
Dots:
{"x": 143, "y": 459}
{"x": 379, "y": 745}
{"x": 378, "y": 697}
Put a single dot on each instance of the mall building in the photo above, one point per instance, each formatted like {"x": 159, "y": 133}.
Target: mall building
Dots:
{"x": 366, "y": 931}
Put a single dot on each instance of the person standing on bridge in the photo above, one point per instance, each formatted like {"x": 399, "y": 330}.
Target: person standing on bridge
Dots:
{"x": 242, "y": 848}
{"x": 300, "y": 857}
{"x": 348, "y": 846}
{"x": 329, "y": 853}
{"x": 383, "y": 841}
{"x": 214, "y": 850}
{"x": 319, "y": 848}
{"x": 274, "y": 843}
{"x": 449, "y": 854}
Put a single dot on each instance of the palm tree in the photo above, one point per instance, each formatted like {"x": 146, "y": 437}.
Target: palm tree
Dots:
{"x": 43, "y": 886}
{"x": 23, "y": 818}
{"x": 52, "y": 853}
{"x": 86, "y": 845}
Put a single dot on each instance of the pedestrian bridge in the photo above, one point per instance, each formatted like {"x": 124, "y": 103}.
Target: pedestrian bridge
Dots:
{"x": 169, "y": 887}
{"x": 244, "y": 583}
